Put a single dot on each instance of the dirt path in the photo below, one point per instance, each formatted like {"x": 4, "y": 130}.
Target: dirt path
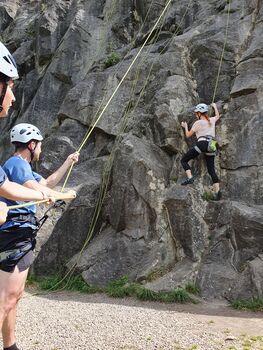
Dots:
{"x": 67, "y": 321}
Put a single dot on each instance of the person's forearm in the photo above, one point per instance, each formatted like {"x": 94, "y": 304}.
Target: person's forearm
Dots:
{"x": 217, "y": 115}
{"x": 54, "y": 179}
{"x": 14, "y": 191}
{"x": 187, "y": 132}
{"x": 34, "y": 185}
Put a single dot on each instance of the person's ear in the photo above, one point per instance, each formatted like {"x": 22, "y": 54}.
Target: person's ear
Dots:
{"x": 32, "y": 145}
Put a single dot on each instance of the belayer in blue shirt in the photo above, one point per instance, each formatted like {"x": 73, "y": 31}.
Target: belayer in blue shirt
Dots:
{"x": 14, "y": 236}
{"x": 18, "y": 233}
{"x": 8, "y": 73}
{"x": 21, "y": 225}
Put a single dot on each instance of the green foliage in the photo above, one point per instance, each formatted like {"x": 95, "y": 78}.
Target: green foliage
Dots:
{"x": 119, "y": 288}
{"x": 119, "y": 282}
{"x": 178, "y": 295}
{"x": 112, "y": 59}
{"x": 192, "y": 288}
{"x": 156, "y": 273}
{"x": 255, "y": 304}
{"x": 146, "y": 294}
{"x": 174, "y": 178}
{"x": 30, "y": 30}
{"x": 208, "y": 196}
{"x": 56, "y": 282}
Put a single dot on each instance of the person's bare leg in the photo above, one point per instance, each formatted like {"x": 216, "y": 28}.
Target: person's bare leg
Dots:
{"x": 8, "y": 328}
{"x": 216, "y": 187}
{"x": 189, "y": 174}
{"x": 11, "y": 287}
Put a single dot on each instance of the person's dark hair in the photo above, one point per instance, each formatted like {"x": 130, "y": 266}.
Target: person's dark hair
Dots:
{"x": 21, "y": 145}
{"x": 3, "y": 78}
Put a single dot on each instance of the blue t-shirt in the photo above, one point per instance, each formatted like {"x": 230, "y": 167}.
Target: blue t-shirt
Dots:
{"x": 19, "y": 170}
{"x": 2, "y": 176}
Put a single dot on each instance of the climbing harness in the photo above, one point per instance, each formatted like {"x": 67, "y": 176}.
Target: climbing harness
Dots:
{"x": 23, "y": 218}
{"x": 212, "y": 145}
{"x": 11, "y": 257}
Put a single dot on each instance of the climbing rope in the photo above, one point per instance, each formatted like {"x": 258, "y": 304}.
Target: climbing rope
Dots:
{"x": 119, "y": 85}
{"x": 107, "y": 170}
{"x": 109, "y": 165}
{"x": 223, "y": 50}
{"x": 64, "y": 196}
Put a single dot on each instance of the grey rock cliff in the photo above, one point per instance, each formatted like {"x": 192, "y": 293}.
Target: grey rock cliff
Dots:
{"x": 72, "y": 55}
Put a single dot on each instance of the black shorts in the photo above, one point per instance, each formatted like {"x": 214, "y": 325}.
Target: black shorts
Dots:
{"x": 17, "y": 238}
{"x": 26, "y": 261}
{"x": 23, "y": 264}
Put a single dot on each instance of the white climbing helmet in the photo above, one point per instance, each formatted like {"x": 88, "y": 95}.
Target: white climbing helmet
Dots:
{"x": 7, "y": 63}
{"x": 201, "y": 107}
{"x": 24, "y": 133}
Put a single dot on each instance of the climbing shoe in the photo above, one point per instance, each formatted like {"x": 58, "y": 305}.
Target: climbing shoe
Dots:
{"x": 188, "y": 181}
{"x": 217, "y": 196}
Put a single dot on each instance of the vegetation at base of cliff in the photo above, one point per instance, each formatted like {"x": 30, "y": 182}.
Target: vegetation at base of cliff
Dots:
{"x": 57, "y": 282}
{"x": 119, "y": 288}
{"x": 192, "y": 289}
{"x": 112, "y": 59}
{"x": 255, "y": 304}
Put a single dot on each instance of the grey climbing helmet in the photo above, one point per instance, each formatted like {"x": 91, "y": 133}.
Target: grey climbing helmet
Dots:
{"x": 24, "y": 133}
{"x": 201, "y": 107}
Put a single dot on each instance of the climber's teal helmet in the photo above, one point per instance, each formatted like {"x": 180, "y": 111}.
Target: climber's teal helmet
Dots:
{"x": 201, "y": 107}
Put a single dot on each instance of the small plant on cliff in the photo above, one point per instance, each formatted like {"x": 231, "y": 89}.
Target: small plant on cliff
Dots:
{"x": 174, "y": 178}
{"x": 112, "y": 59}
{"x": 208, "y": 196}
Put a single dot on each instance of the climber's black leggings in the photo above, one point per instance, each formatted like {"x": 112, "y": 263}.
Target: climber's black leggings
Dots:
{"x": 210, "y": 160}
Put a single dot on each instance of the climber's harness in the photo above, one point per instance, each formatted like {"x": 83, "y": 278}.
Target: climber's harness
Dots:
{"x": 212, "y": 145}
{"x": 12, "y": 256}
{"x": 23, "y": 218}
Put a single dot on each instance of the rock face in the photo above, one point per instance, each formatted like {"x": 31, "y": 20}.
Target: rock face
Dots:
{"x": 131, "y": 216}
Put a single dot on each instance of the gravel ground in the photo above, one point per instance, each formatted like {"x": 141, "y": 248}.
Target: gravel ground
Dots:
{"x": 67, "y": 321}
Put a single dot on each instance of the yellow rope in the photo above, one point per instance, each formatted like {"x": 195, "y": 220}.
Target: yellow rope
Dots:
{"x": 17, "y": 206}
{"x": 121, "y": 81}
{"x": 223, "y": 50}
{"x": 107, "y": 170}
